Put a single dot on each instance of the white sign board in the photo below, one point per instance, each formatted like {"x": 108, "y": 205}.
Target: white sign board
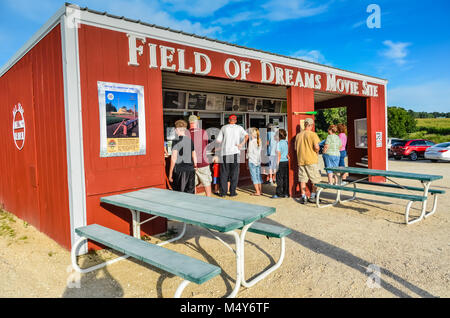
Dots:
{"x": 379, "y": 139}
{"x": 18, "y": 126}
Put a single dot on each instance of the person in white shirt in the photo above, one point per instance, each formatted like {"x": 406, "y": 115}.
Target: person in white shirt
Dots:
{"x": 232, "y": 138}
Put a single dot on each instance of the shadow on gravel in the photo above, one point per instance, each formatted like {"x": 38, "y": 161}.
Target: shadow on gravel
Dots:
{"x": 354, "y": 262}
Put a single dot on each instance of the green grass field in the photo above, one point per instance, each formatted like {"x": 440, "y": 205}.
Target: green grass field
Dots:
{"x": 434, "y": 129}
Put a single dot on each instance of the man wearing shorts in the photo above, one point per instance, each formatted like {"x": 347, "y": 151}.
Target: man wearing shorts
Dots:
{"x": 307, "y": 147}
{"x": 200, "y": 139}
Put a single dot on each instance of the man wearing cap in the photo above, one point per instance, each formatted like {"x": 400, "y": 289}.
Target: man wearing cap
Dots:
{"x": 307, "y": 147}
{"x": 232, "y": 138}
{"x": 200, "y": 139}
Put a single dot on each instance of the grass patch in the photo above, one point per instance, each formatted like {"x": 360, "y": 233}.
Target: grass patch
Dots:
{"x": 434, "y": 129}
{"x": 171, "y": 233}
{"x": 5, "y": 224}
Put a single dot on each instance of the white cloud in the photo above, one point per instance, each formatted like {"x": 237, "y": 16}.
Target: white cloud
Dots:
{"x": 276, "y": 10}
{"x": 198, "y": 8}
{"x": 358, "y": 24}
{"x": 429, "y": 96}
{"x": 148, "y": 11}
{"x": 153, "y": 13}
{"x": 396, "y": 51}
{"x": 237, "y": 18}
{"x": 311, "y": 55}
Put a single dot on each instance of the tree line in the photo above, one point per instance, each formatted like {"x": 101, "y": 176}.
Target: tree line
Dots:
{"x": 428, "y": 115}
{"x": 401, "y": 122}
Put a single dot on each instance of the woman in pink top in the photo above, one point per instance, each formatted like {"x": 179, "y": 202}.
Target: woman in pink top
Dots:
{"x": 342, "y": 131}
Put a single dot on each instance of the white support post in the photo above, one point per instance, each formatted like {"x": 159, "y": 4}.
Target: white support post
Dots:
{"x": 73, "y": 255}
{"x": 175, "y": 238}
{"x": 433, "y": 209}
{"x": 180, "y": 288}
{"x": 264, "y": 273}
{"x": 74, "y": 126}
{"x": 426, "y": 186}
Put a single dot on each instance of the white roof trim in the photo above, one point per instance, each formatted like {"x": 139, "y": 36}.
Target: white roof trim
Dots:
{"x": 38, "y": 36}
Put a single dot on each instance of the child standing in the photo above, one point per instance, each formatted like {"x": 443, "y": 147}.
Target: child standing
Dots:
{"x": 216, "y": 171}
{"x": 282, "y": 190}
{"x": 254, "y": 159}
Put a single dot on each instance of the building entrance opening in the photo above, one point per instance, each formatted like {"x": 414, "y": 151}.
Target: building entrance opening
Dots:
{"x": 351, "y": 112}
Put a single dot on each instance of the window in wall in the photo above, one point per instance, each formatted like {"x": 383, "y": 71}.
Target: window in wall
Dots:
{"x": 215, "y": 102}
{"x": 231, "y": 103}
{"x": 259, "y": 105}
{"x": 174, "y": 100}
{"x": 283, "y": 107}
{"x": 246, "y": 104}
{"x": 268, "y": 105}
{"x": 361, "y": 133}
{"x": 197, "y": 101}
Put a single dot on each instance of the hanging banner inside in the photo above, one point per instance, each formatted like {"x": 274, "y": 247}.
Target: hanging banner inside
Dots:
{"x": 122, "y": 119}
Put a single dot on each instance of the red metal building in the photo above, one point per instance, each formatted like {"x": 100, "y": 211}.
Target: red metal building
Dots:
{"x": 60, "y": 157}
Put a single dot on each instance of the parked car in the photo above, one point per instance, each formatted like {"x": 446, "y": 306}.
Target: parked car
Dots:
{"x": 392, "y": 142}
{"x": 438, "y": 152}
{"x": 413, "y": 149}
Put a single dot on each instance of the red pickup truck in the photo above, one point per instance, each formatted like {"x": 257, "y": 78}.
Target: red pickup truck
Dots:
{"x": 413, "y": 149}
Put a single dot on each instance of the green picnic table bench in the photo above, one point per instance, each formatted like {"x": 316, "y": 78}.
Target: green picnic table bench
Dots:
{"x": 186, "y": 267}
{"x": 213, "y": 214}
{"x": 351, "y": 186}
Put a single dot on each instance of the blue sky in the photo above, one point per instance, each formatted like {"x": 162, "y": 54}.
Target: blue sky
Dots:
{"x": 122, "y": 99}
{"x": 410, "y": 49}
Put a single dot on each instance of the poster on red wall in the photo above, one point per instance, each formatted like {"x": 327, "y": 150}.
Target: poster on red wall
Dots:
{"x": 122, "y": 119}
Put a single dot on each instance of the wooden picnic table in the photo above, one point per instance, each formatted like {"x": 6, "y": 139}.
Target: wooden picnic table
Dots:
{"x": 424, "y": 179}
{"x": 213, "y": 214}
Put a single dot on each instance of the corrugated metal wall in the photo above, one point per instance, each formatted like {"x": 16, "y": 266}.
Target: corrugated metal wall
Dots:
{"x": 33, "y": 181}
{"x": 103, "y": 57}
{"x": 212, "y": 85}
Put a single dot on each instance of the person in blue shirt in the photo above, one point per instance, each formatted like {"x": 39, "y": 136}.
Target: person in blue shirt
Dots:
{"x": 282, "y": 190}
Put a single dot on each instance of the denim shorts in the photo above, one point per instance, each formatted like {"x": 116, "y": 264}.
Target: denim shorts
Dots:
{"x": 330, "y": 162}
{"x": 273, "y": 163}
{"x": 342, "y": 158}
{"x": 255, "y": 173}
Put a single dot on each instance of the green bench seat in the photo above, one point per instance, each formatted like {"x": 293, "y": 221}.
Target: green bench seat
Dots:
{"x": 184, "y": 266}
{"x": 395, "y": 186}
{"x": 269, "y": 230}
{"x": 408, "y": 197}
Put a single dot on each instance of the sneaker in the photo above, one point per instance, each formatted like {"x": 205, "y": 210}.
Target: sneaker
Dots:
{"x": 233, "y": 194}
{"x": 303, "y": 200}
{"x": 275, "y": 197}
{"x": 286, "y": 196}
{"x": 312, "y": 200}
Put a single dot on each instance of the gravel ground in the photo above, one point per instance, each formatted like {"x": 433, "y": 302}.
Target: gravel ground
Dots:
{"x": 357, "y": 249}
